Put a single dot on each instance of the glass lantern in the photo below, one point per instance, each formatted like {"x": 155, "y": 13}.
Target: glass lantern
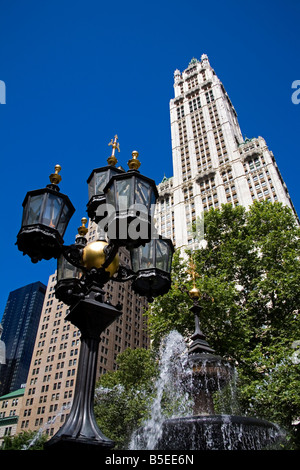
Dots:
{"x": 68, "y": 287}
{"x": 97, "y": 181}
{"x": 46, "y": 214}
{"x": 132, "y": 197}
{"x": 152, "y": 264}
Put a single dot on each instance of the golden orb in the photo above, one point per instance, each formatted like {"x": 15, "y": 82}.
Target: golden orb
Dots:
{"x": 93, "y": 256}
{"x": 194, "y": 293}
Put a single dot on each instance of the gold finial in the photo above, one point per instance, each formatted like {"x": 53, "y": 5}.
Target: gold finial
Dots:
{"x": 55, "y": 178}
{"x": 82, "y": 230}
{"x": 134, "y": 163}
{"x": 115, "y": 145}
{"x": 194, "y": 292}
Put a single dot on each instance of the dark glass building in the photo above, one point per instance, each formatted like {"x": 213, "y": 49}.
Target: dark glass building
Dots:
{"x": 20, "y": 323}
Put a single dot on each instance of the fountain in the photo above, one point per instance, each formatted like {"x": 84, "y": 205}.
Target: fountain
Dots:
{"x": 193, "y": 375}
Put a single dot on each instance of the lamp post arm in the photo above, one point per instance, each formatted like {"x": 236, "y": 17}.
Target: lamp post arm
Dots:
{"x": 124, "y": 274}
{"x": 110, "y": 252}
{"x": 73, "y": 254}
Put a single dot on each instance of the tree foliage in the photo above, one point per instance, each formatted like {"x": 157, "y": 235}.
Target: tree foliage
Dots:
{"x": 122, "y": 396}
{"x": 27, "y": 440}
{"x": 249, "y": 273}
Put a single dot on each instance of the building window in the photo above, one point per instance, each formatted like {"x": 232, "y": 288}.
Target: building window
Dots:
{"x": 209, "y": 96}
{"x": 194, "y": 104}
{"x": 180, "y": 111}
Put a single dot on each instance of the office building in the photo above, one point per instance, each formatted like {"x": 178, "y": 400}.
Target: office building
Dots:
{"x": 2, "y": 350}
{"x": 10, "y": 406}
{"x": 20, "y": 323}
{"x": 212, "y": 163}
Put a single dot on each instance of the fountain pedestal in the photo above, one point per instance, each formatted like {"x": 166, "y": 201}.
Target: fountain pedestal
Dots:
{"x": 210, "y": 372}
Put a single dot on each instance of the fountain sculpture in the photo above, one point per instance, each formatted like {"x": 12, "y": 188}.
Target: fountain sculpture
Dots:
{"x": 197, "y": 427}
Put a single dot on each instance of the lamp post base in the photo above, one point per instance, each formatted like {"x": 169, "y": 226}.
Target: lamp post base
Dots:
{"x": 77, "y": 443}
{"x": 80, "y": 430}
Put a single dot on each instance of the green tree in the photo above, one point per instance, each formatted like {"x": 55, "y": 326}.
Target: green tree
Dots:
{"x": 249, "y": 271}
{"x": 27, "y": 440}
{"x": 122, "y": 396}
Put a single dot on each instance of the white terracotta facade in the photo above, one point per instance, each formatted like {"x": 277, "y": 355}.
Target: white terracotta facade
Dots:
{"x": 212, "y": 163}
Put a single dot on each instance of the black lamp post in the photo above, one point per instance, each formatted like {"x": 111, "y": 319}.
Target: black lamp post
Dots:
{"x": 84, "y": 268}
{"x": 46, "y": 215}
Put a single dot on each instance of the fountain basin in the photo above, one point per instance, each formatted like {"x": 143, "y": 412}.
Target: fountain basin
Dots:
{"x": 218, "y": 432}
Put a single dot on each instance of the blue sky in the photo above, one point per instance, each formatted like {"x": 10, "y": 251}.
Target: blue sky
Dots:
{"x": 77, "y": 73}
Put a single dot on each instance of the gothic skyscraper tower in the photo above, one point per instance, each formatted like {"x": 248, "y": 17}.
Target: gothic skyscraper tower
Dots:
{"x": 212, "y": 163}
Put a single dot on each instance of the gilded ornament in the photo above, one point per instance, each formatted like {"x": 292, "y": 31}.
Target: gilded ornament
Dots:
{"x": 93, "y": 256}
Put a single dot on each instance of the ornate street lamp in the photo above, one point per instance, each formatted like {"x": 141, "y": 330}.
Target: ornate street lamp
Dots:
{"x": 84, "y": 268}
{"x": 97, "y": 181}
{"x": 152, "y": 264}
{"x": 68, "y": 288}
{"x": 132, "y": 197}
{"x": 46, "y": 215}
